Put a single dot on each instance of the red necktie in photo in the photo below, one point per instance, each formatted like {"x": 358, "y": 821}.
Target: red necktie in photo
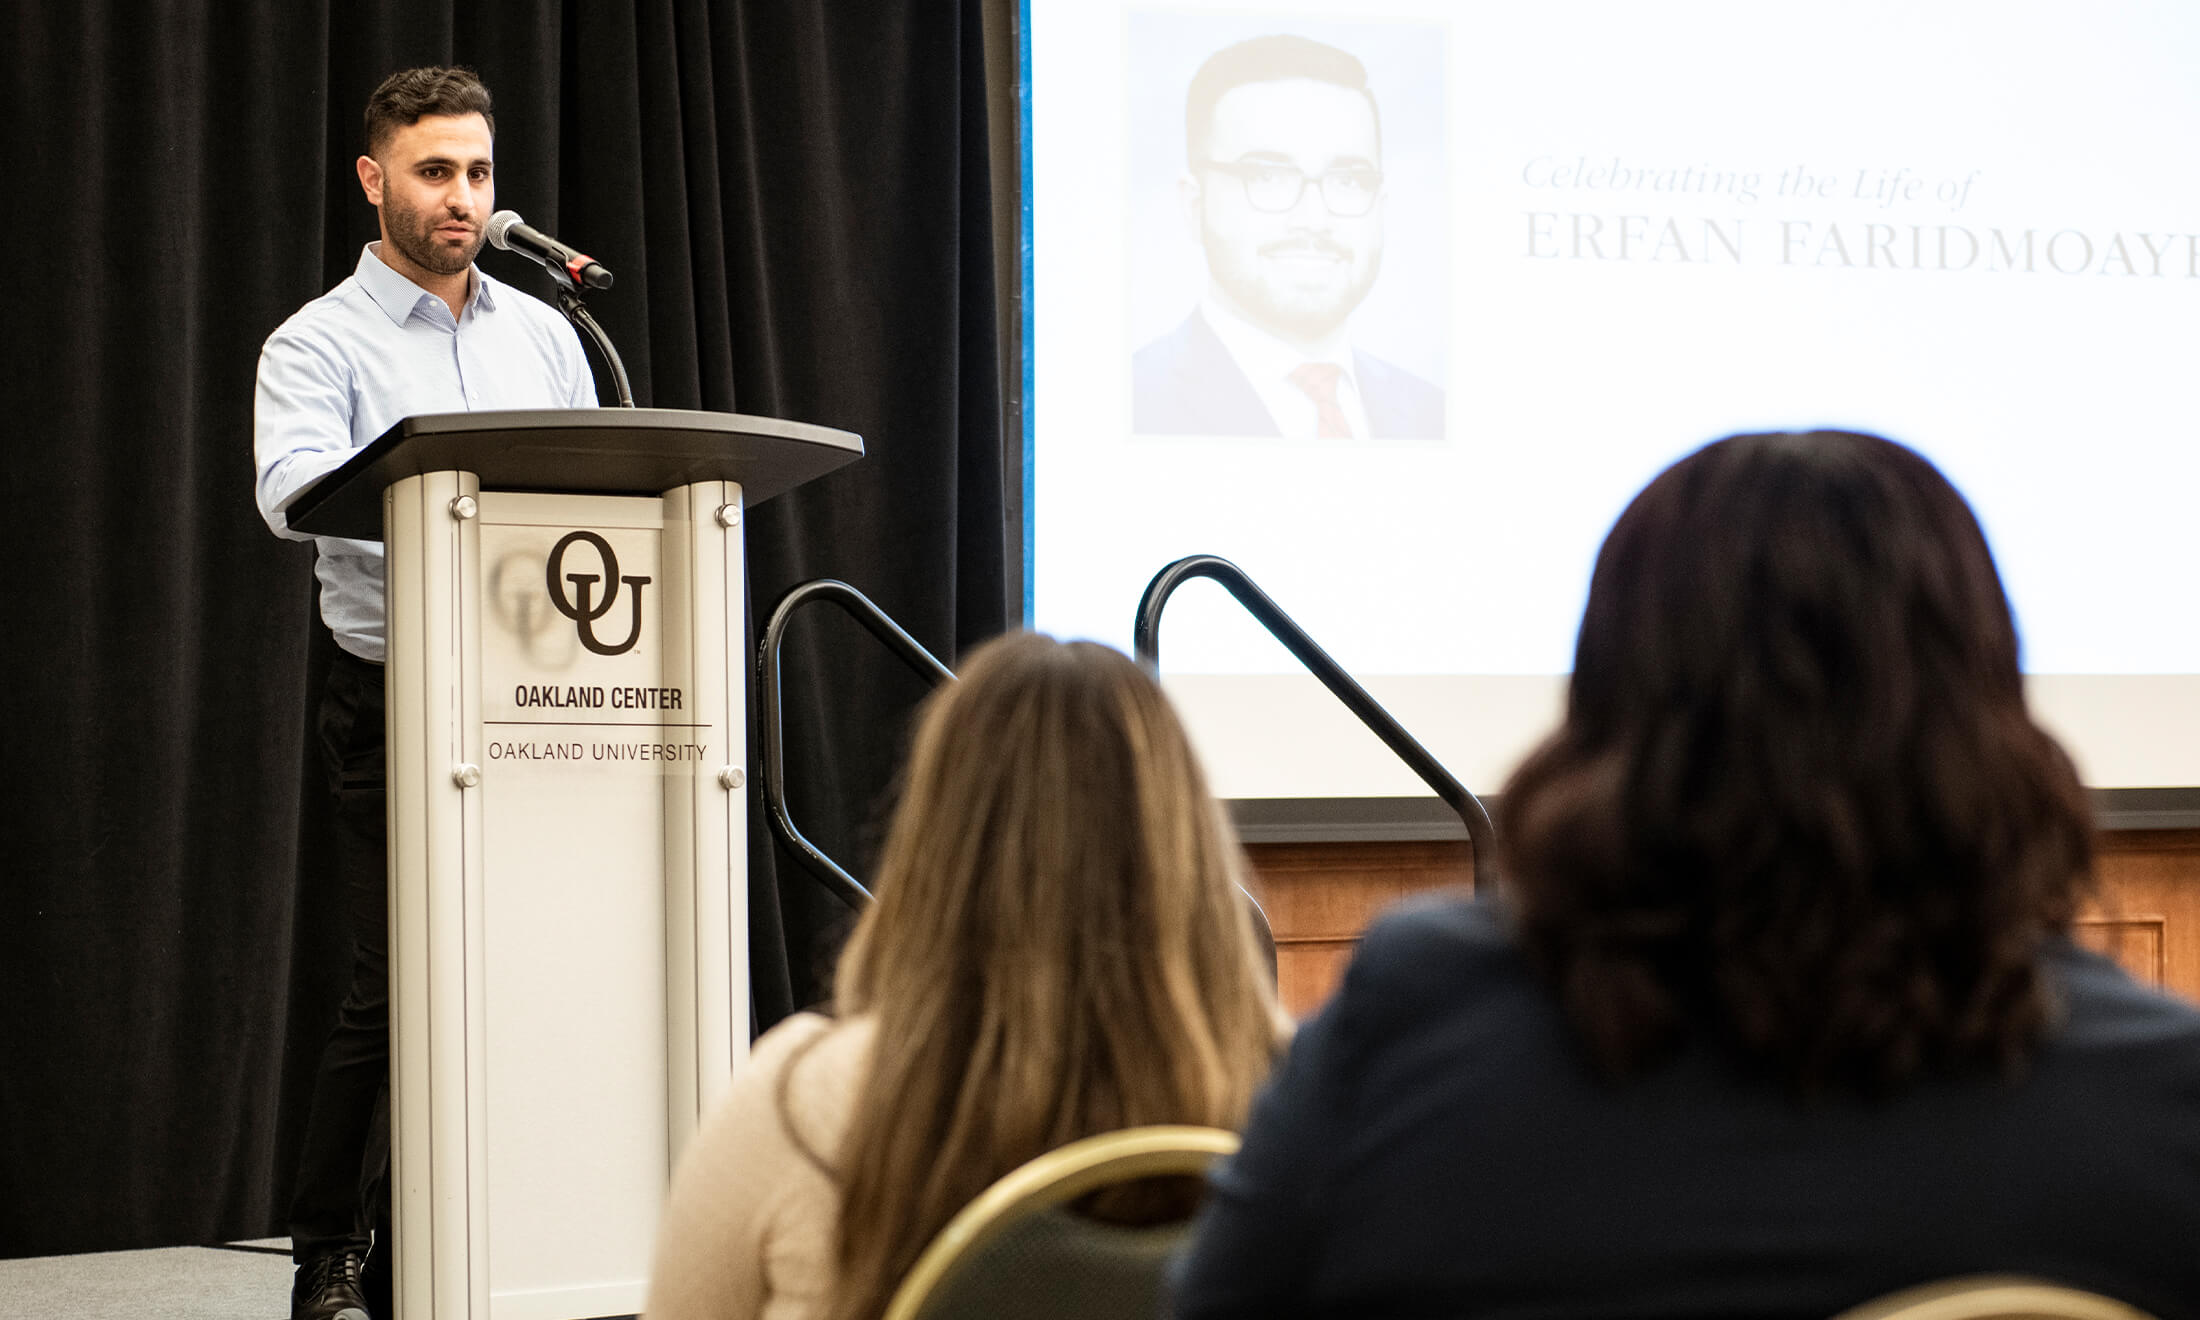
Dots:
{"x": 1319, "y": 380}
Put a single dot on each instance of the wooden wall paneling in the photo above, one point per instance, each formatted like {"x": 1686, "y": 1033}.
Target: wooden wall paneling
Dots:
{"x": 2146, "y": 914}
{"x": 1321, "y": 896}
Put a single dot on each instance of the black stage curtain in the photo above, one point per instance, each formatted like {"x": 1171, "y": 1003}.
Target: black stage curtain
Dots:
{"x": 793, "y": 195}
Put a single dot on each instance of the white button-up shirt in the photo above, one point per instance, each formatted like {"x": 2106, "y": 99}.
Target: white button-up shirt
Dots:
{"x": 370, "y": 352}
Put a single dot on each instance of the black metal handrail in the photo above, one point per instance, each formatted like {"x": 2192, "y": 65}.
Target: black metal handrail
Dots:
{"x": 771, "y": 733}
{"x": 1341, "y": 685}
{"x": 771, "y": 722}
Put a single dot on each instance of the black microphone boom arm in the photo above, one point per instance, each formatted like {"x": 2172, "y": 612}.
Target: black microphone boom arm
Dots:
{"x": 570, "y": 271}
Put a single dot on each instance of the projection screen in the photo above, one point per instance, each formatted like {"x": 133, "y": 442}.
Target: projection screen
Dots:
{"x": 1561, "y": 245}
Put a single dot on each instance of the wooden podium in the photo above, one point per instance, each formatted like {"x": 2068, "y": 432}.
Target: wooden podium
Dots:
{"x": 568, "y": 812}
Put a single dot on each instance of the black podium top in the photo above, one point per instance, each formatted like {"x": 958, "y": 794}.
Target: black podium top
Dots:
{"x": 574, "y": 451}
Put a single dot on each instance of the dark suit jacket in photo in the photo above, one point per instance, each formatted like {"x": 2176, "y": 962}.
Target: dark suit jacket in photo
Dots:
{"x": 1186, "y": 383}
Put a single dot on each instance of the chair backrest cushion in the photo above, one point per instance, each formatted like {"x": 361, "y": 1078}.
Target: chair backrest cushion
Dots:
{"x": 1058, "y": 1263}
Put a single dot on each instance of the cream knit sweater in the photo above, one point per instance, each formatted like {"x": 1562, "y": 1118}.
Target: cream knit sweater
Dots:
{"x": 748, "y": 1228}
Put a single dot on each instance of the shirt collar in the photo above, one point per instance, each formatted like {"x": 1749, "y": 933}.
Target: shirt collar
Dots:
{"x": 398, "y": 296}
{"x": 1261, "y": 353}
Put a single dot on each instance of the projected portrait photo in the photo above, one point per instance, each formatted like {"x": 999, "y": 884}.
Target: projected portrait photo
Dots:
{"x": 1288, "y": 276}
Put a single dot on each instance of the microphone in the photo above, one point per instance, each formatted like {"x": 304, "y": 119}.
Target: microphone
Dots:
{"x": 507, "y": 231}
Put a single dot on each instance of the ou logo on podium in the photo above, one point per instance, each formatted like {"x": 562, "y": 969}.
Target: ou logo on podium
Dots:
{"x": 581, "y": 606}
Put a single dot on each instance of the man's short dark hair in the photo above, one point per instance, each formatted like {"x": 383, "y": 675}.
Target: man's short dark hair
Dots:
{"x": 1267, "y": 59}
{"x": 411, "y": 95}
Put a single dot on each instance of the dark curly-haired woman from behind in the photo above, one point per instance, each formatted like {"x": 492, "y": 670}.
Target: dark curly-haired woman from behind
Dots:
{"x": 1778, "y": 1010}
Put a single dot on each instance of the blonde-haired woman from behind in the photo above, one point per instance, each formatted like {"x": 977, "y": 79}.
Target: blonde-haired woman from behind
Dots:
{"x": 1058, "y": 949}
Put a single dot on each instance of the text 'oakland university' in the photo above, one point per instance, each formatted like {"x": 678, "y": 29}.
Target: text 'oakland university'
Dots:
{"x": 532, "y": 750}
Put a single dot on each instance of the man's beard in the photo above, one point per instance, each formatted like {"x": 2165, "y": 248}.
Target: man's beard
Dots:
{"x": 1304, "y": 311}
{"x": 414, "y": 234}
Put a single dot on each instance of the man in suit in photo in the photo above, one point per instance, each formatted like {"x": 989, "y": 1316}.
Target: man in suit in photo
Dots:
{"x": 1283, "y": 186}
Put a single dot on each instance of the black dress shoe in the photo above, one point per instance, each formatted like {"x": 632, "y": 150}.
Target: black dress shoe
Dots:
{"x": 327, "y": 1288}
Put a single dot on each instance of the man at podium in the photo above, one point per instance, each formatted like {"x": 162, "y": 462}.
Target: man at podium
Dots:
{"x": 415, "y": 329}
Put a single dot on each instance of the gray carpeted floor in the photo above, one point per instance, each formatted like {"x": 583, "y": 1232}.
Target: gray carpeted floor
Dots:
{"x": 246, "y": 1281}
{"x": 240, "y": 1281}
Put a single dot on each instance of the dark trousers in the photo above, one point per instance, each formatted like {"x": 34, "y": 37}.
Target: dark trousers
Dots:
{"x": 343, "y": 1171}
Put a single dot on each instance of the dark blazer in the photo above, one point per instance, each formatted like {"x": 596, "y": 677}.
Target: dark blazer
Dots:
{"x": 1436, "y": 1144}
{"x": 1186, "y": 383}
